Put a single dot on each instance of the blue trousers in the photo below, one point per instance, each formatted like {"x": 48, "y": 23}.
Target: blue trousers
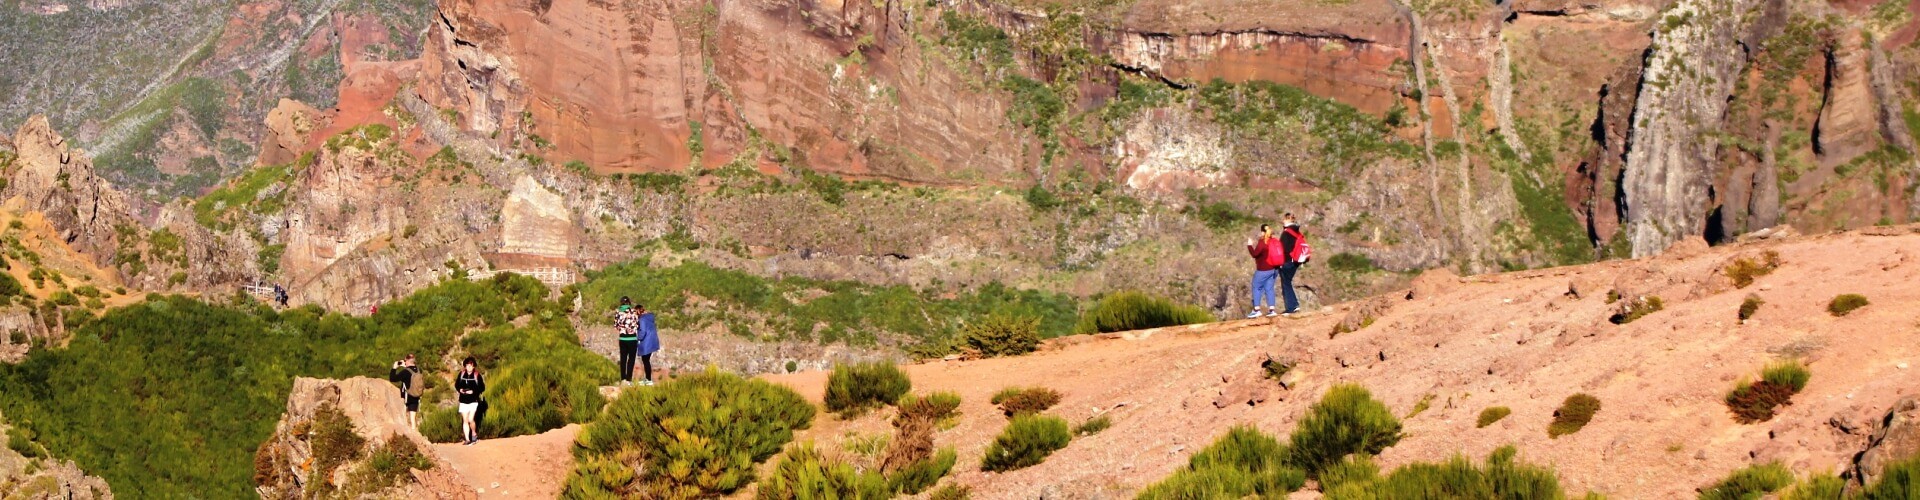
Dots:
{"x": 1286, "y": 286}
{"x": 1263, "y": 286}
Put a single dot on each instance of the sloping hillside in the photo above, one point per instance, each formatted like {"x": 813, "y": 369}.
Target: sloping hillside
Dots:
{"x": 1521, "y": 340}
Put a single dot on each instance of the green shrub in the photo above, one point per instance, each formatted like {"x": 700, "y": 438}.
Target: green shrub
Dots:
{"x": 1844, "y": 304}
{"x": 1743, "y": 271}
{"x": 934, "y": 407}
{"x": 10, "y": 287}
{"x": 1900, "y": 480}
{"x": 1750, "y": 483}
{"x": 696, "y": 435}
{"x": 1242, "y": 462}
{"x": 804, "y": 475}
{"x": 1001, "y": 335}
{"x": 1017, "y": 400}
{"x": 440, "y": 424}
{"x": 88, "y": 291}
{"x": 1345, "y": 421}
{"x": 544, "y": 380}
{"x": 1126, "y": 311}
{"x": 920, "y": 475}
{"x": 1492, "y": 414}
{"x": 1093, "y": 426}
{"x": 1349, "y": 262}
{"x": 1753, "y": 402}
{"x": 20, "y": 440}
{"x": 951, "y": 492}
{"x": 1426, "y": 401}
{"x": 1636, "y": 309}
{"x": 1041, "y": 200}
{"x": 387, "y": 465}
{"x": 1749, "y": 306}
{"x": 1501, "y": 477}
{"x": 856, "y": 388}
{"x": 330, "y": 436}
{"x": 63, "y": 298}
{"x": 1026, "y": 441}
{"x": 1211, "y": 482}
{"x": 1276, "y": 369}
{"x": 1818, "y": 487}
{"x": 1574, "y": 413}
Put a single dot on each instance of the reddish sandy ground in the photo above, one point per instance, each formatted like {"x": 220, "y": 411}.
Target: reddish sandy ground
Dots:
{"x": 1519, "y": 340}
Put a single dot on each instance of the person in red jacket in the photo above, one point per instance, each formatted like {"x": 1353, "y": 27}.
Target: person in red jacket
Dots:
{"x": 1264, "y": 270}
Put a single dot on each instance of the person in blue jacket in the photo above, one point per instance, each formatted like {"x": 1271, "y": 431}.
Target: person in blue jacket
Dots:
{"x": 649, "y": 343}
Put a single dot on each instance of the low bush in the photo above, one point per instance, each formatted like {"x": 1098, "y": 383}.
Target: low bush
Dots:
{"x": 1753, "y": 402}
{"x": 387, "y": 465}
{"x": 1347, "y": 420}
{"x": 1845, "y": 304}
{"x": 1637, "y": 308}
{"x": 951, "y": 492}
{"x": 1026, "y": 441}
{"x": 1818, "y": 487}
{"x": 1501, "y": 477}
{"x": 1017, "y": 400}
{"x": 1491, "y": 415}
{"x": 20, "y": 440}
{"x": 1126, "y": 311}
{"x": 1573, "y": 414}
{"x": 534, "y": 395}
{"x": 697, "y": 435}
{"x": 1743, "y": 271}
{"x": 333, "y": 443}
{"x": 1240, "y": 463}
{"x": 937, "y": 406}
{"x": 1750, "y": 483}
{"x": 1093, "y": 426}
{"x": 1750, "y": 305}
{"x": 1900, "y": 480}
{"x": 803, "y": 474}
{"x": 921, "y": 474}
{"x": 856, "y": 388}
{"x": 1001, "y": 335}
{"x": 440, "y": 424}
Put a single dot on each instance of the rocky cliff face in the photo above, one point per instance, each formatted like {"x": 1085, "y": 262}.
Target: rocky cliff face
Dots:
{"x": 27, "y": 473}
{"x": 350, "y": 438}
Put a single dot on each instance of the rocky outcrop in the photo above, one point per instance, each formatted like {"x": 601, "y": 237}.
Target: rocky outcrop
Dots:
{"x": 535, "y": 221}
{"x": 288, "y": 125}
{"x": 1896, "y": 437}
{"x": 32, "y": 475}
{"x": 1688, "y": 75}
{"x": 331, "y": 428}
{"x": 53, "y": 177}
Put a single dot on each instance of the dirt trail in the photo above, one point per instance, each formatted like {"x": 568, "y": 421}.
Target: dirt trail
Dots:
{"x": 1523, "y": 340}
{"x": 518, "y": 467}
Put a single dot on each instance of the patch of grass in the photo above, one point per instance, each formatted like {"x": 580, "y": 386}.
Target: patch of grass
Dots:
{"x": 1243, "y": 462}
{"x": 1753, "y": 402}
{"x": 1131, "y": 310}
{"x": 1219, "y": 216}
{"x": 1750, "y": 305}
{"x": 387, "y": 465}
{"x": 803, "y": 473}
{"x": 1900, "y": 480}
{"x": 854, "y": 389}
{"x": 1343, "y": 138}
{"x": 951, "y": 492}
{"x": 1743, "y": 271}
{"x": 697, "y": 435}
{"x": 1347, "y": 420}
{"x": 1093, "y": 426}
{"x": 1015, "y": 401}
{"x": 220, "y": 208}
{"x": 1001, "y": 335}
{"x": 1425, "y": 402}
{"x": 1276, "y": 369}
{"x": 1574, "y": 413}
{"x": 1348, "y": 262}
{"x": 1041, "y": 200}
{"x": 1821, "y": 487}
{"x": 1027, "y": 441}
{"x": 1751, "y": 482}
{"x": 1491, "y": 415}
{"x": 1637, "y": 308}
{"x": 1502, "y": 476}
{"x": 1845, "y": 304}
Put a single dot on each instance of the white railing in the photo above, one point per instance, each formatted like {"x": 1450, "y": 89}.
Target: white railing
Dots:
{"x": 258, "y": 290}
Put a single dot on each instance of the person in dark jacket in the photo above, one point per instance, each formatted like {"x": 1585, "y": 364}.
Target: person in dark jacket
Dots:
{"x": 470, "y": 385}
{"x": 411, "y": 382}
{"x": 649, "y": 336}
{"x": 1263, "y": 271}
{"x": 1290, "y": 236}
{"x": 626, "y": 324}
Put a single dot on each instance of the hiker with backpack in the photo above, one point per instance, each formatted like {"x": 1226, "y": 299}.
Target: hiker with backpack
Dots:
{"x": 1267, "y": 257}
{"x": 411, "y": 383}
{"x": 626, "y": 323}
{"x": 470, "y": 386}
{"x": 1296, "y": 253}
{"x": 649, "y": 340}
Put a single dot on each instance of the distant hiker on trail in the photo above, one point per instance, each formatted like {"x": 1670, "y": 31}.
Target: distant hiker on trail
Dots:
{"x": 470, "y": 385}
{"x": 1267, "y": 256}
{"x": 1297, "y": 253}
{"x": 411, "y": 384}
{"x": 626, "y": 322}
{"x": 280, "y": 295}
{"x": 649, "y": 343}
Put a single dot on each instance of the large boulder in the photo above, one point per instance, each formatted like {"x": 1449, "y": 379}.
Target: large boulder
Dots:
{"x": 1896, "y": 437}
{"x": 303, "y": 457}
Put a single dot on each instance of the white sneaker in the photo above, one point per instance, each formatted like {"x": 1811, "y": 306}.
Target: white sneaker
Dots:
{"x": 648, "y": 383}
{"x": 1272, "y": 313}
{"x": 1254, "y": 314}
